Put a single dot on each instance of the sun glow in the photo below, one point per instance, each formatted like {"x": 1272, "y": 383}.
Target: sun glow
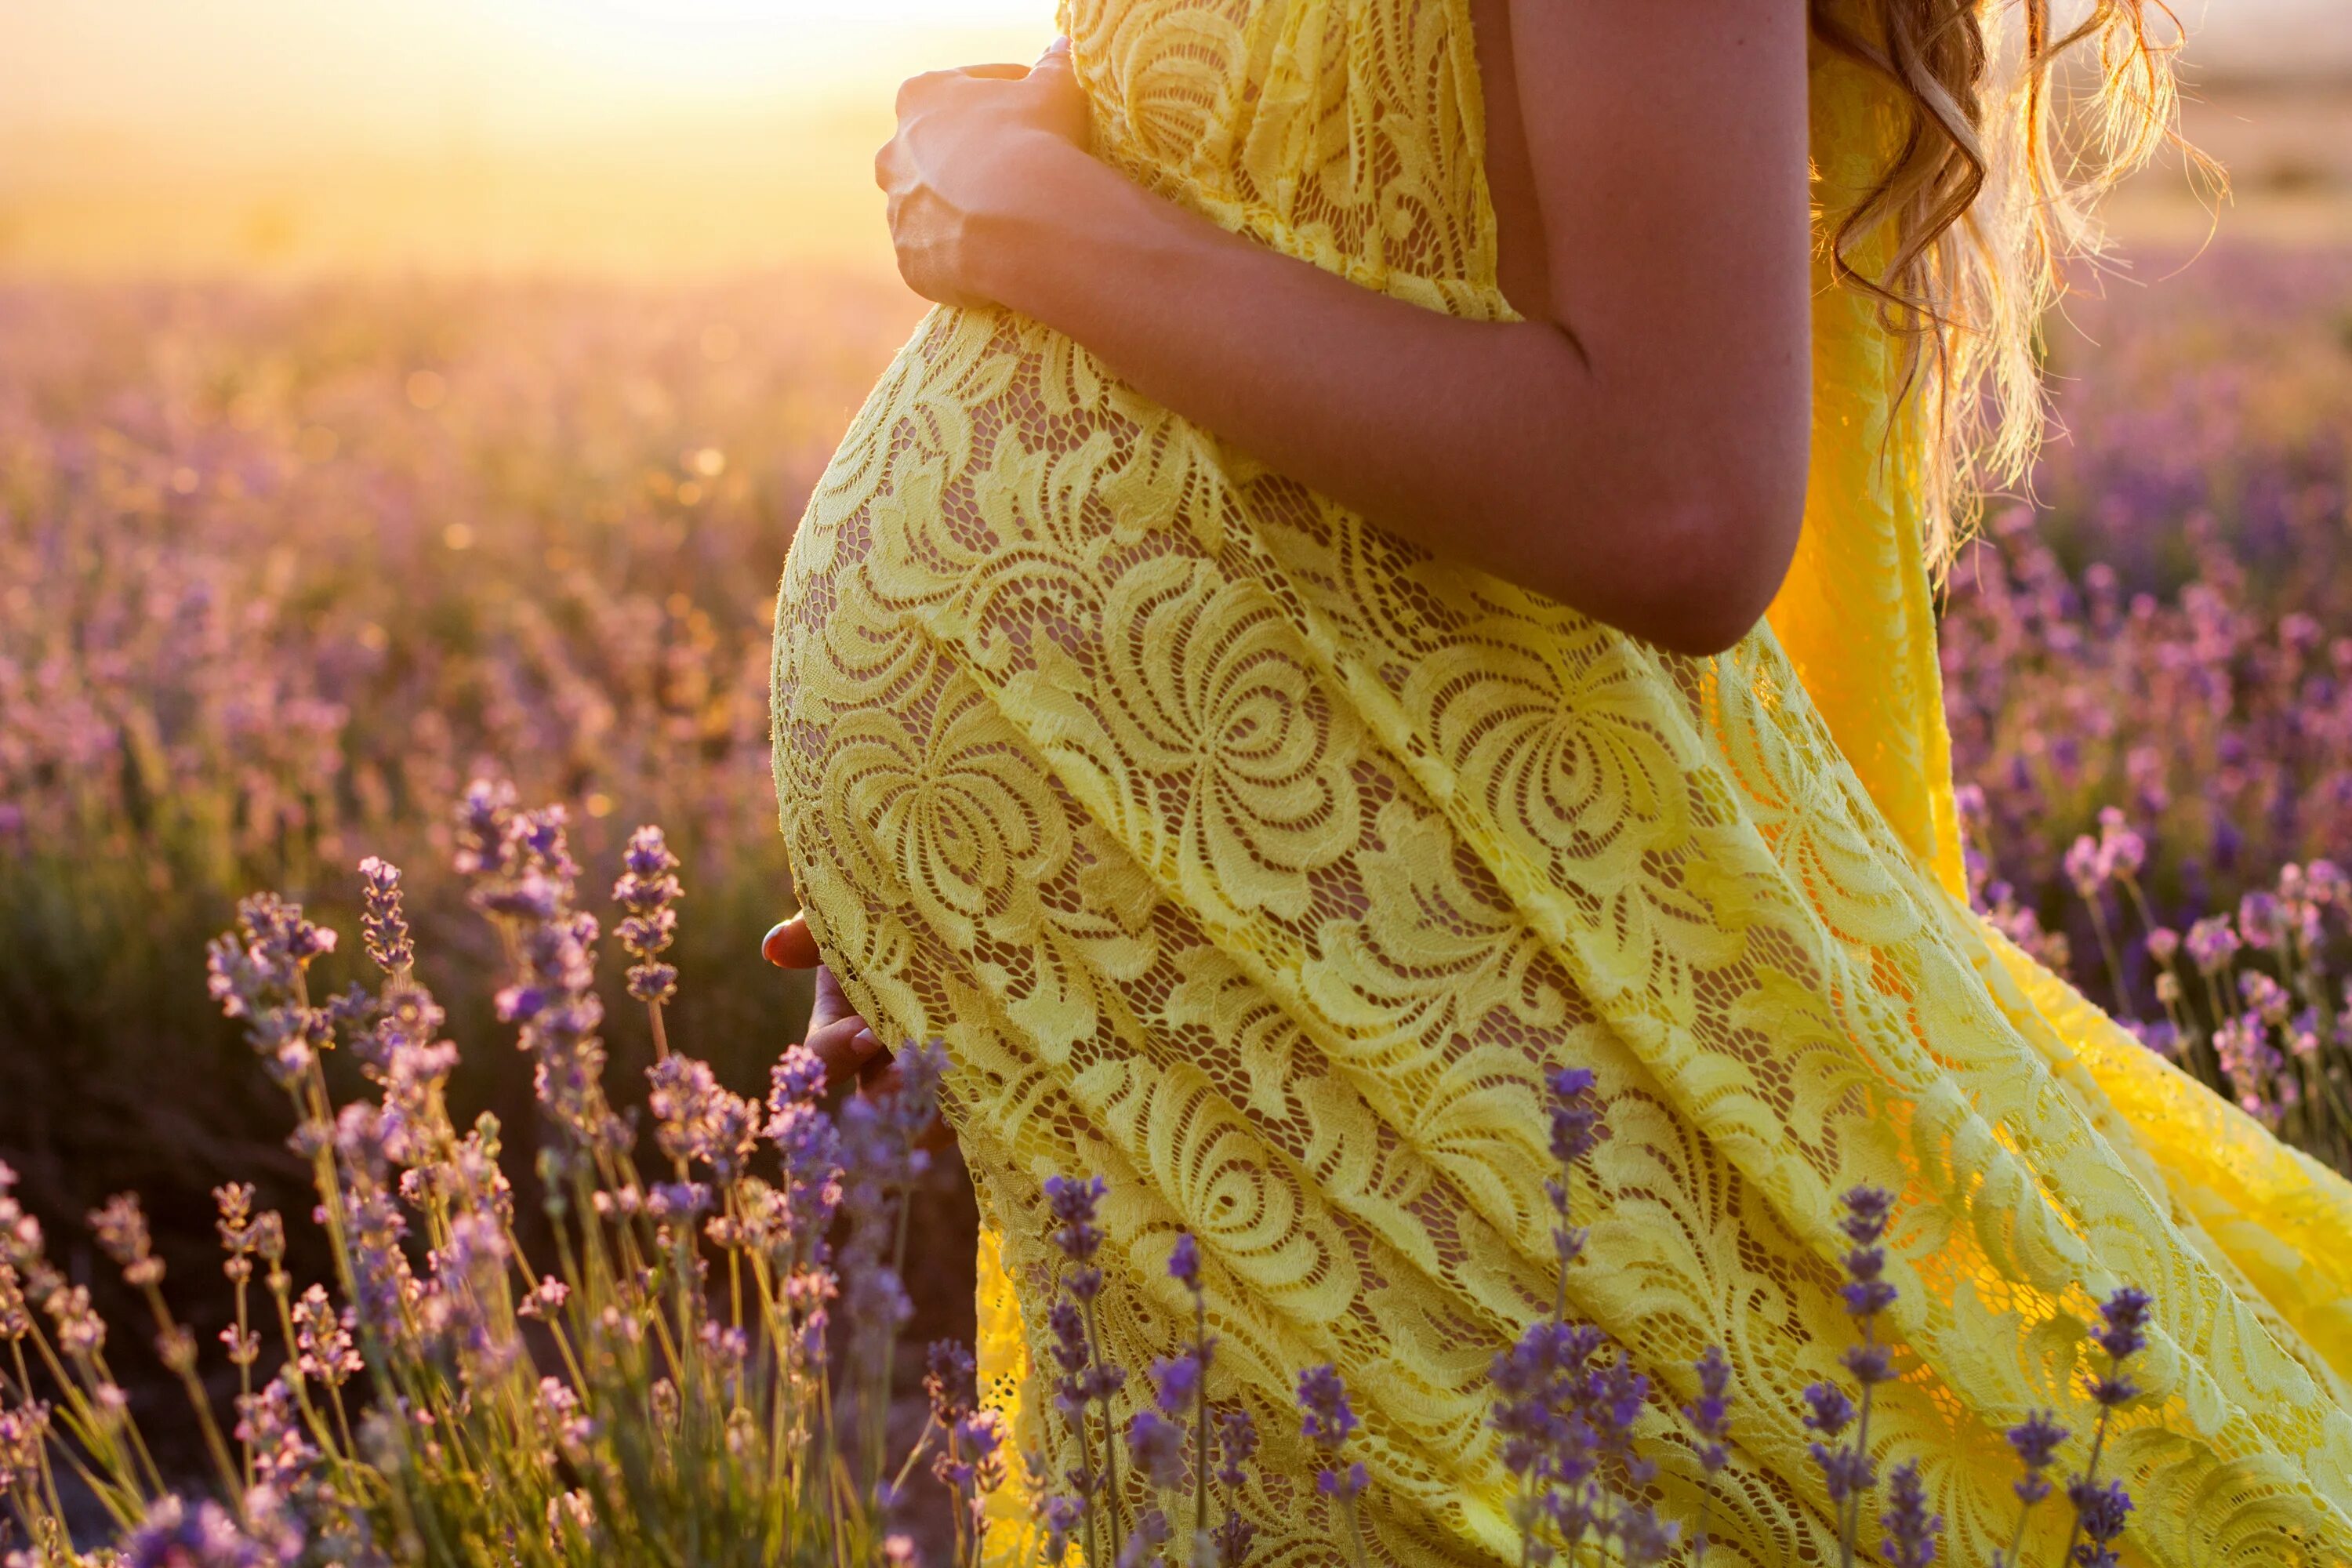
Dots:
{"x": 221, "y": 133}
{"x": 237, "y": 71}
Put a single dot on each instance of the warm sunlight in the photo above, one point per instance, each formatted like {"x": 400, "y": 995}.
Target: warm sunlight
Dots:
{"x": 609, "y": 133}
{"x": 626, "y": 132}
{"x": 703, "y": 868}
{"x": 232, "y": 73}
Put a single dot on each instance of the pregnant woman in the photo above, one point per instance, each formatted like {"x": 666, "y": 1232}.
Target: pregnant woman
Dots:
{"x": 1403, "y": 565}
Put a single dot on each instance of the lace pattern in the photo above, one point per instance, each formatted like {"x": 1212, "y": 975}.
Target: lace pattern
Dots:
{"x": 1256, "y": 861}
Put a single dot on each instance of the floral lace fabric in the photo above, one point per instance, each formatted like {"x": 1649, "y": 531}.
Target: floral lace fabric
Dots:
{"x": 1253, "y": 859}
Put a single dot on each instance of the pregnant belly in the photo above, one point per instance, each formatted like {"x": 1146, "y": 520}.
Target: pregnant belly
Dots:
{"x": 1028, "y": 609}
{"x": 1004, "y": 503}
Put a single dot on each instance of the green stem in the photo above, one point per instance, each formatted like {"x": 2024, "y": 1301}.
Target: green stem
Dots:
{"x": 2090, "y": 1475}
{"x": 2017, "y": 1541}
{"x": 1200, "y": 1415}
{"x": 1110, "y": 1444}
{"x": 1851, "y": 1528}
{"x": 2108, "y": 951}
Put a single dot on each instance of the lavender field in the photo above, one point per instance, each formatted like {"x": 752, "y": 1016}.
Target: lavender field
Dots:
{"x": 284, "y": 567}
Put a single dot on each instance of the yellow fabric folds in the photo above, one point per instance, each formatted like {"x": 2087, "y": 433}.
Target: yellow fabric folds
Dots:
{"x": 1261, "y": 864}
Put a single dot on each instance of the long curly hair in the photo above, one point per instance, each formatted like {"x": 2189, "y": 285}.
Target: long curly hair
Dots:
{"x": 2011, "y": 132}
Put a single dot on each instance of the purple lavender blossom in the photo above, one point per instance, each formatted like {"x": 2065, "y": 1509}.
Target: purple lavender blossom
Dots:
{"x": 383, "y": 928}
{"x": 1232, "y": 1540}
{"x": 120, "y": 1227}
{"x": 951, "y": 1380}
{"x": 2124, "y": 1321}
{"x": 2035, "y": 1441}
{"x": 1642, "y": 1537}
{"x": 647, "y": 888}
{"x": 257, "y": 975}
{"x": 698, "y": 1121}
{"x": 323, "y": 1344}
{"x": 1177, "y": 1381}
{"x": 2123, "y": 1335}
{"x": 1157, "y": 1446}
{"x": 1062, "y": 1516}
{"x": 1184, "y": 1261}
{"x": 1236, "y": 1446}
{"x": 1710, "y": 1413}
{"x": 1912, "y": 1532}
{"x": 1324, "y": 1416}
{"x": 2100, "y": 1508}
{"x": 2212, "y": 944}
{"x": 176, "y": 1536}
{"x": 1327, "y": 1420}
{"x": 1073, "y": 1204}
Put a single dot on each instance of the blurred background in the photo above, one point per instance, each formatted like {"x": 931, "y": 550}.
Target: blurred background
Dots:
{"x": 391, "y": 394}
{"x": 701, "y": 135}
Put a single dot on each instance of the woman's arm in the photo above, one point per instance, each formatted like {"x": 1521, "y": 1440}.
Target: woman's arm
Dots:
{"x": 1639, "y": 452}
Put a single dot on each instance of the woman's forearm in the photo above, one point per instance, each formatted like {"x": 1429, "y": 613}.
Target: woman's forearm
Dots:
{"x": 1586, "y": 468}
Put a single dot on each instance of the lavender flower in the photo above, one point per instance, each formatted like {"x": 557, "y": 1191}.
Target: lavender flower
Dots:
{"x": 1848, "y": 1472}
{"x": 1912, "y": 1532}
{"x": 698, "y": 1121}
{"x": 1062, "y": 1517}
{"x": 176, "y": 1536}
{"x": 647, "y": 888}
{"x": 1710, "y": 1418}
{"x": 1326, "y": 1418}
{"x": 1086, "y": 1381}
{"x": 970, "y": 1460}
{"x": 1642, "y": 1537}
{"x": 122, "y": 1230}
{"x": 2035, "y": 1441}
{"x": 2212, "y": 944}
{"x": 1575, "y": 1128}
{"x": 2123, "y": 1335}
{"x": 2099, "y": 1510}
{"x": 1073, "y": 1204}
{"x": 522, "y": 869}
{"x": 323, "y": 1341}
{"x": 1157, "y": 1446}
{"x": 1236, "y": 1446}
{"x": 1184, "y": 1261}
{"x": 383, "y": 929}
{"x": 1709, "y": 1415}
{"x": 257, "y": 975}
{"x": 2100, "y": 1506}
{"x": 951, "y": 1380}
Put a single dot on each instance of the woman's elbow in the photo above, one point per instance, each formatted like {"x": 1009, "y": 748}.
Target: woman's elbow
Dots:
{"x": 1718, "y": 568}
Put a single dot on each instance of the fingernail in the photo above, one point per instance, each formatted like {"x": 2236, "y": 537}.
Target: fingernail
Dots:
{"x": 865, "y": 1041}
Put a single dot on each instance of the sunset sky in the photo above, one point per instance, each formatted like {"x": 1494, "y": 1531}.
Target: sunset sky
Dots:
{"x": 240, "y": 75}
{"x": 237, "y": 75}
{"x": 741, "y": 131}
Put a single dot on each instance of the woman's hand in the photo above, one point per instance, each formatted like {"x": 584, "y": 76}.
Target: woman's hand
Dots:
{"x": 972, "y": 145}
{"x": 839, "y": 1037}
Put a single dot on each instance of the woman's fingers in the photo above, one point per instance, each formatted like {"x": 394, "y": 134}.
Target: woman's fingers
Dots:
{"x": 846, "y": 1047}
{"x": 840, "y": 1040}
{"x": 829, "y": 1005}
{"x": 1061, "y": 103}
{"x": 789, "y": 946}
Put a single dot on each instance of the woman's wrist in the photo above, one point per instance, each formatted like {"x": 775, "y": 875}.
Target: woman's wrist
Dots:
{"x": 1047, "y": 184}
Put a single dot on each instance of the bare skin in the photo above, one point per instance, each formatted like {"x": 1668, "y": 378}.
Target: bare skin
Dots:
{"x": 1635, "y": 446}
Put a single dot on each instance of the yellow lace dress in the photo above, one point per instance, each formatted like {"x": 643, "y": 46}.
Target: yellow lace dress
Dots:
{"x": 1260, "y": 863}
